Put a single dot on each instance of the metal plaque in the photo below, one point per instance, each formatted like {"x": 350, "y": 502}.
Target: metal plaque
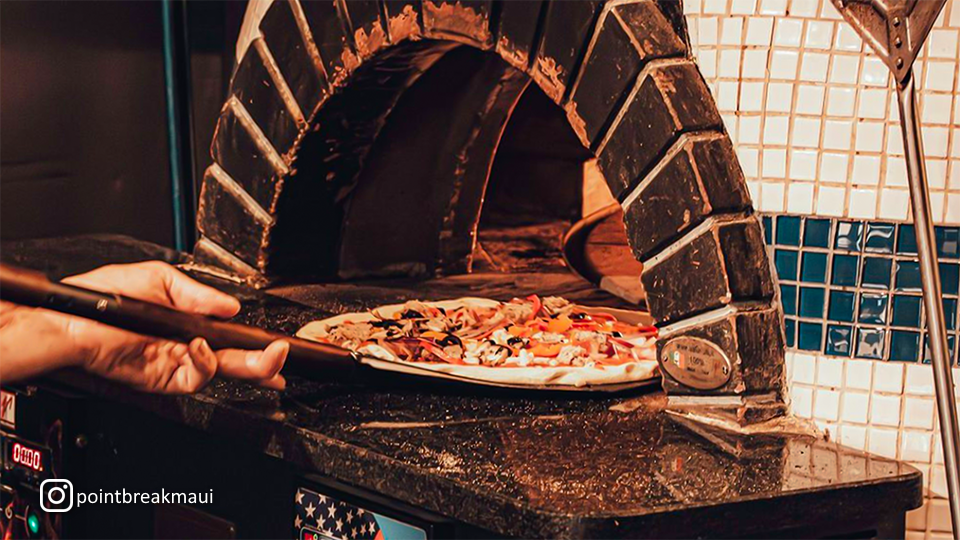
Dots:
{"x": 696, "y": 363}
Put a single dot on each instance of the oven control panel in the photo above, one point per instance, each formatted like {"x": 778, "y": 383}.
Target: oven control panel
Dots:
{"x": 322, "y": 516}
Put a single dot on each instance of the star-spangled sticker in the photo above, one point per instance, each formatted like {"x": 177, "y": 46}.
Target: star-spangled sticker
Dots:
{"x": 299, "y": 497}
{"x": 310, "y": 508}
{"x": 349, "y": 516}
{"x": 339, "y": 525}
{"x": 331, "y": 511}
{"x": 336, "y": 519}
{"x": 297, "y": 522}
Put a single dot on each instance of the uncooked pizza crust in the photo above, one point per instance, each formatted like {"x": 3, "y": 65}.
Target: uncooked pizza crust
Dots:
{"x": 532, "y": 376}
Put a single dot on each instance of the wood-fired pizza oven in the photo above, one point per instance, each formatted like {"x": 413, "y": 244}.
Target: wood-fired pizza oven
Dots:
{"x": 359, "y": 137}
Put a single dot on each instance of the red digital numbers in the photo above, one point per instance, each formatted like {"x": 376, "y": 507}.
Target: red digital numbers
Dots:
{"x": 28, "y": 457}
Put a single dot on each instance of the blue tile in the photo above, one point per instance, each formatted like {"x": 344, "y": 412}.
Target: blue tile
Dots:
{"x": 790, "y": 329}
{"x": 951, "y": 346}
{"x": 873, "y": 308}
{"x": 876, "y": 273}
{"x": 788, "y": 297}
{"x": 879, "y": 238}
{"x": 870, "y": 343}
{"x": 787, "y": 263}
{"x": 816, "y": 233}
{"x": 788, "y": 230}
{"x": 845, "y": 270}
{"x": 849, "y": 236}
{"x": 948, "y": 242}
{"x": 839, "y": 340}
{"x": 841, "y": 306}
{"x": 768, "y": 229}
{"x": 904, "y": 346}
{"x": 908, "y": 276}
{"x": 949, "y": 278}
{"x": 811, "y": 302}
{"x": 814, "y": 267}
{"x": 906, "y": 311}
{"x": 808, "y": 336}
{"x": 950, "y": 313}
{"x": 907, "y": 240}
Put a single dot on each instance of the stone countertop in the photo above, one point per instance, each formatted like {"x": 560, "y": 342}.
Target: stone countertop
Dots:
{"x": 518, "y": 466}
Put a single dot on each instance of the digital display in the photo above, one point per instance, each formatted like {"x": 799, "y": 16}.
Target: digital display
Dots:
{"x": 25, "y": 456}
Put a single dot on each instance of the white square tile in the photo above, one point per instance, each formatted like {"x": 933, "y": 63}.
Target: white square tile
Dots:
{"x": 693, "y": 7}
{"x": 759, "y": 31}
{"x": 801, "y": 401}
{"x": 799, "y": 196}
{"x": 918, "y": 412}
{"x": 888, "y": 377}
{"x": 804, "y": 368}
{"x": 894, "y": 204}
{"x": 837, "y": 134}
{"x": 810, "y": 99}
{"x": 894, "y": 107}
{"x": 882, "y": 442}
{"x": 755, "y": 63}
{"x": 826, "y": 405}
{"x": 751, "y": 96}
{"x": 846, "y": 39}
{"x": 814, "y": 66}
{"x": 833, "y": 168}
{"x": 707, "y": 60}
{"x": 844, "y": 68}
{"x": 938, "y": 481}
{"x": 859, "y": 374}
{"x": 935, "y": 108}
{"x": 915, "y": 446}
{"x": 754, "y": 188}
{"x": 875, "y": 72}
{"x": 866, "y": 169}
{"x": 784, "y": 65}
{"x": 873, "y": 103}
{"x": 788, "y": 32}
{"x": 708, "y": 33}
{"x": 939, "y": 76}
{"x": 779, "y": 97}
{"x": 749, "y": 159}
{"x": 954, "y": 182}
{"x": 828, "y": 11}
{"x": 750, "y": 129}
{"x": 830, "y": 201}
{"x": 775, "y": 130}
{"x": 840, "y": 101}
{"x": 855, "y": 407}
{"x": 773, "y": 7}
{"x": 818, "y": 35}
{"x": 854, "y": 437}
{"x": 938, "y": 446}
{"x": 774, "y": 163}
{"x": 730, "y": 63}
{"x": 954, "y": 17}
{"x": 830, "y": 372}
{"x": 935, "y": 141}
{"x": 939, "y": 515}
{"x": 771, "y": 199}
{"x": 919, "y": 380}
{"x": 885, "y": 410}
{"x": 863, "y": 203}
{"x": 715, "y": 7}
{"x": 728, "y": 96}
{"x": 896, "y": 172}
{"x": 894, "y": 140}
{"x": 804, "y": 9}
{"x": 803, "y": 166}
{"x": 806, "y": 132}
{"x": 743, "y": 7}
{"x": 917, "y": 519}
{"x": 870, "y": 139}
{"x": 731, "y": 31}
{"x": 942, "y": 44}
{"x": 953, "y": 208}
{"x": 936, "y": 173}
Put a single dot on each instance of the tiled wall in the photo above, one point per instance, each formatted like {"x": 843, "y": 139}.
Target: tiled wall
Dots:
{"x": 814, "y": 118}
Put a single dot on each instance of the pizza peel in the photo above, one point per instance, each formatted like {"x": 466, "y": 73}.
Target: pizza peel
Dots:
{"x": 317, "y": 361}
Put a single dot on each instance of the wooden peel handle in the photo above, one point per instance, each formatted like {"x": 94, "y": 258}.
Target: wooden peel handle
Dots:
{"x": 306, "y": 358}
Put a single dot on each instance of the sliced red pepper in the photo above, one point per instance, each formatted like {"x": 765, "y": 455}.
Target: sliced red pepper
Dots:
{"x": 537, "y": 305}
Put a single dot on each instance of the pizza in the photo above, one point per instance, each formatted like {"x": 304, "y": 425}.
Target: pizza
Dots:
{"x": 526, "y": 341}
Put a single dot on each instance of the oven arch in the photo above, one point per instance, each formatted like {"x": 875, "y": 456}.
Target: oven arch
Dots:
{"x": 312, "y": 92}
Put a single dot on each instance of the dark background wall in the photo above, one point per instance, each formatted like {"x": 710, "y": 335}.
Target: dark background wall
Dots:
{"x": 83, "y": 126}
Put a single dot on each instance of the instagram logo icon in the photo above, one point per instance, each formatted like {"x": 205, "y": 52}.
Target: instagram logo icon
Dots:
{"x": 56, "y": 495}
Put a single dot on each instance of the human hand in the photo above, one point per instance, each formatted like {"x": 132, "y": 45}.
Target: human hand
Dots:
{"x": 158, "y": 365}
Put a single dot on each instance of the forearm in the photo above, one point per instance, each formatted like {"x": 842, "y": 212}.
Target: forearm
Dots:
{"x": 34, "y": 341}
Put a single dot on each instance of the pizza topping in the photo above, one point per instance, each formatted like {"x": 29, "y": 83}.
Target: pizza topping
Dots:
{"x": 520, "y": 333}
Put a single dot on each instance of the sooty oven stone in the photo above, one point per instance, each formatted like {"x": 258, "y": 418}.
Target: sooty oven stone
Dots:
{"x": 313, "y": 93}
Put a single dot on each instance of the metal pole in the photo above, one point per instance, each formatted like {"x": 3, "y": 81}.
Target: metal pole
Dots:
{"x": 932, "y": 297}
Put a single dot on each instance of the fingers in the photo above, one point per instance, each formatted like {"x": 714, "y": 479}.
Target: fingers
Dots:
{"x": 187, "y": 294}
{"x": 261, "y": 366}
